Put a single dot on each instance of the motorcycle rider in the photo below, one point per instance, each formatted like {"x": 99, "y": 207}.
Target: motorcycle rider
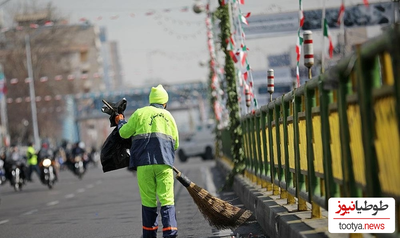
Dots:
{"x": 15, "y": 158}
{"x": 46, "y": 152}
{"x": 79, "y": 150}
{"x": 32, "y": 161}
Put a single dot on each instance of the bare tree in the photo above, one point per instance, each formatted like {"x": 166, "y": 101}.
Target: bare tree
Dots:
{"x": 51, "y": 47}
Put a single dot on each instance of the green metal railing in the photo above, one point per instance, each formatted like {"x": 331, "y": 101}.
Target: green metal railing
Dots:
{"x": 336, "y": 135}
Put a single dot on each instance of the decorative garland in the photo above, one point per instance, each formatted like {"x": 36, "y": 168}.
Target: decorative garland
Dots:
{"x": 234, "y": 127}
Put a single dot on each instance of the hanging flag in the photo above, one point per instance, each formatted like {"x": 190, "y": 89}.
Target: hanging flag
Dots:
{"x": 341, "y": 14}
{"x": 244, "y": 18}
{"x": 71, "y": 77}
{"x": 242, "y": 56}
{"x": 366, "y": 3}
{"x": 14, "y": 81}
{"x": 301, "y": 14}
{"x": 326, "y": 34}
{"x": 241, "y": 2}
{"x": 233, "y": 56}
{"x": 299, "y": 43}
{"x": 297, "y": 74}
{"x": 245, "y": 75}
{"x": 185, "y": 9}
{"x": 49, "y": 23}
{"x": 34, "y": 26}
{"x": 232, "y": 40}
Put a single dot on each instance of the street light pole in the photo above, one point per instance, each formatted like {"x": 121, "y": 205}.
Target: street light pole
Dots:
{"x": 32, "y": 91}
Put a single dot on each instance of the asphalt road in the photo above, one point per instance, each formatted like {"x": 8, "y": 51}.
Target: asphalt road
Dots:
{"x": 106, "y": 205}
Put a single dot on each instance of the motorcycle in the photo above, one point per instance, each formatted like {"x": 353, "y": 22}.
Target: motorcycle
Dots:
{"x": 78, "y": 168}
{"x": 16, "y": 180}
{"x": 47, "y": 173}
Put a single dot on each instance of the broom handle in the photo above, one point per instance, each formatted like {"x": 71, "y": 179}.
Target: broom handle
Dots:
{"x": 176, "y": 170}
{"x": 108, "y": 105}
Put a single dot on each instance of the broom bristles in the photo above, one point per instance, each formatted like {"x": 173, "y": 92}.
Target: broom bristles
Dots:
{"x": 218, "y": 213}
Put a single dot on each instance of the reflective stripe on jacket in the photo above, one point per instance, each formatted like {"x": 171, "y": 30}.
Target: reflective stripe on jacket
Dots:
{"x": 154, "y": 136}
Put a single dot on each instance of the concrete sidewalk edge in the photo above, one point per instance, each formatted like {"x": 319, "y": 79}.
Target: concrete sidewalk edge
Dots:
{"x": 273, "y": 216}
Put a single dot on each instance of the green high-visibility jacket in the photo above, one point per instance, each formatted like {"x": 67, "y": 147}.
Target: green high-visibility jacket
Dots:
{"x": 154, "y": 136}
{"x": 31, "y": 156}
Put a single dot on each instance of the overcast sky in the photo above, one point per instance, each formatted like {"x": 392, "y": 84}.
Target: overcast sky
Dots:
{"x": 168, "y": 46}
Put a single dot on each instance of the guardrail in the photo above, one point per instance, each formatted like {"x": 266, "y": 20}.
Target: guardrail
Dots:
{"x": 335, "y": 136}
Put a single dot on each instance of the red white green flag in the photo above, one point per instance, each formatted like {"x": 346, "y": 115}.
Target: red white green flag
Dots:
{"x": 299, "y": 43}
{"x": 244, "y": 18}
{"x": 341, "y": 13}
{"x": 301, "y": 13}
{"x": 326, "y": 34}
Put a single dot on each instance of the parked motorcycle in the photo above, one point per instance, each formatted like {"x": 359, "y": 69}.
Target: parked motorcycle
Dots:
{"x": 16, "y": 180}
{"x": 78, "y": 168}
{"x": 47, "y": 172}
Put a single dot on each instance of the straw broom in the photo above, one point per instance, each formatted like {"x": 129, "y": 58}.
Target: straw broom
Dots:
{"x": 218, "y": 213}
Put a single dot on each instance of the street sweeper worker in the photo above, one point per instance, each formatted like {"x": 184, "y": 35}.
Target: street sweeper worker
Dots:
{"x": 154, "y": 141}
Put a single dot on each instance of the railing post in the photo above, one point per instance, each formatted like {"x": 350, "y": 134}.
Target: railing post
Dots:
{"x": 254, "y": 159}
{"x": 258, "y": 136}
{"x": 278, "y": 156}
{"x": 267, "y": 165}
{"x": 300, "y": 180}
{"x": 313, "y": 183}
{"x": 288, "y": 174}
{"x": 331, "y": 189}
{"x": 365, "y": 82}
{"x": 270, "y": 117}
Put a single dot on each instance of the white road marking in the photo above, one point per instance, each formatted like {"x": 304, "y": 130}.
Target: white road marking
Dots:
{"x": 89, "y": 186}
{"x": 81, "y": 190}
{"x": 4, "y": 221}
{"x": 30, "y": 212}
{"x": 71, "y": 195}
{"x": 52, "y": 203}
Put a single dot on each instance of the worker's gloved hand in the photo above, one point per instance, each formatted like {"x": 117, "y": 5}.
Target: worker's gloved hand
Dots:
{"x": 118, "y": 117}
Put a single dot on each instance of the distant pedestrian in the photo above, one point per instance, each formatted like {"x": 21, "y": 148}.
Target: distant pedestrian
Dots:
{"x": 32, "y": 161}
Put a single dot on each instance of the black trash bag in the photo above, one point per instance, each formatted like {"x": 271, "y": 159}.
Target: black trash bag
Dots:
{"x": 114, "y": 152}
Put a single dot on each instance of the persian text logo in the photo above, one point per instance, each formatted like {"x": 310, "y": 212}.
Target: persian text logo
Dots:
{"x": 361, "y": 215}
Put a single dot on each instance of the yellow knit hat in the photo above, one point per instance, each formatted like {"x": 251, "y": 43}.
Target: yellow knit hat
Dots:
{"x": 158, "y": 95}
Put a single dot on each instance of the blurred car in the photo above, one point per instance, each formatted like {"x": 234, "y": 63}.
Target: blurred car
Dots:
{"x": 201, "y": 143}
